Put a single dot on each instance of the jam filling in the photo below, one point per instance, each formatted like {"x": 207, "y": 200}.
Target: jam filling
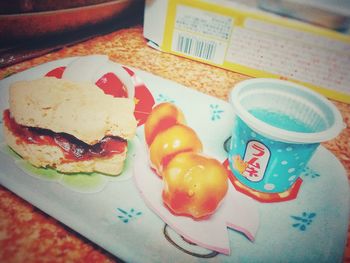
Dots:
{"x": 72, "y": 148}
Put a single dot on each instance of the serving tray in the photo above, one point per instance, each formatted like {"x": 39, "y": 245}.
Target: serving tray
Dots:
{"x": 114, "y": 212}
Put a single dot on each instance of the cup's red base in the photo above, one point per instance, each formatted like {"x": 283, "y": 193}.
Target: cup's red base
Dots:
{"x": 288, "y": 195}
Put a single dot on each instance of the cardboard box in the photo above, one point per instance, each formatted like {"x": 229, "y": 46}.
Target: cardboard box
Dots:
{"x": 252, "y": 42}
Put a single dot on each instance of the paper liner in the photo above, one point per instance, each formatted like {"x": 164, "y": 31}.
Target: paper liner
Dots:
{"x": 237, "y": 211}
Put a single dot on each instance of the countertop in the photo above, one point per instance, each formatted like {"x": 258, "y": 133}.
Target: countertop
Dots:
{"x": 27, "y": 234}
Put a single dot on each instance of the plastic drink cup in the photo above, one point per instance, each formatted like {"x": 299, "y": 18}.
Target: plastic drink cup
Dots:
{"x": 278, "y": 127}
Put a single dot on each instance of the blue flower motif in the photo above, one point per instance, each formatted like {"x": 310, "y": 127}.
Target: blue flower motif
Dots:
{"x": 127, "y": 216}
{"x": 163, "y": 98}
{"x": 216, "y": 112}
{"x": 303, "y": 221}
{"x": 308, "y": 172}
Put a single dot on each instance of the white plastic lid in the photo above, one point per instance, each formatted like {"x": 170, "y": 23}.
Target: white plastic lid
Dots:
{"x": 290, "y": 99}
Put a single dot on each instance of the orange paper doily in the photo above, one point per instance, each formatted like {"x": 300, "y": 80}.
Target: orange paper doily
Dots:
{"x": 288, "y": 195}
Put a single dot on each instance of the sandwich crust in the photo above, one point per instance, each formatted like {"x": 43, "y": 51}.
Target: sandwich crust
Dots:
{"x": 79, "y": 109}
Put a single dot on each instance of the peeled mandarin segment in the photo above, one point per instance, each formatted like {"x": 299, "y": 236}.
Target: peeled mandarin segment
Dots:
{"x": 162, "y": 117}
{"x": 194, "y": 185}
{"x": 178, "y": 138}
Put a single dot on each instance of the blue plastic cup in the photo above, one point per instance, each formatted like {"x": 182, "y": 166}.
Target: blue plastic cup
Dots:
{"x": 278, "y": 127}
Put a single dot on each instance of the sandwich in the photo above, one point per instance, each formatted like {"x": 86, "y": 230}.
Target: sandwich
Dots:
{"x": 69, "y": 126}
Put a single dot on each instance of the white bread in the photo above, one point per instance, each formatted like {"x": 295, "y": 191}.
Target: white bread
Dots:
{"x": 79, "y": 109}
{"x": 52, "y": 156}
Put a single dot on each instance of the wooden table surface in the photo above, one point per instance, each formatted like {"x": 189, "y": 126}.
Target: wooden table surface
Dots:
{"x": 29, "y": 235}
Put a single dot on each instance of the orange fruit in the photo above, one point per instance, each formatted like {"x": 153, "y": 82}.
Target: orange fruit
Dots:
{"x": 162, "y": 117}
{"x": 178, "y": 138}
{"x": 194, "y": 184}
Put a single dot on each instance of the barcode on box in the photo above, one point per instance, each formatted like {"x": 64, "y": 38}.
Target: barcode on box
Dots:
{"x": 196, "y": 47}
{"x": 199, "y": 47}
